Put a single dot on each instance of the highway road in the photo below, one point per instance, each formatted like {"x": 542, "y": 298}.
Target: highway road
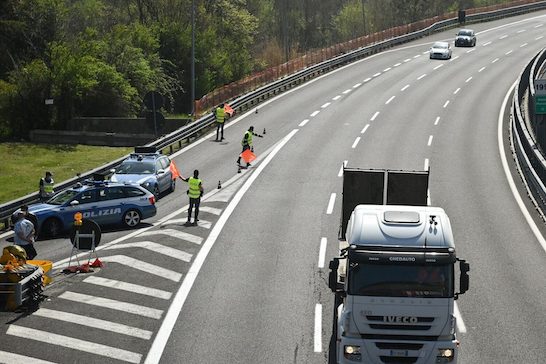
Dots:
{"x": 249, "y": 284}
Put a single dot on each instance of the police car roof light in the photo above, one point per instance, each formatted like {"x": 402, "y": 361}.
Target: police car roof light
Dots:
{"x": 145, "y": 150}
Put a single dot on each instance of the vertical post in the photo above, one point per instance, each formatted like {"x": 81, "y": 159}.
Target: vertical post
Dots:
{"x": 193, "y": 58}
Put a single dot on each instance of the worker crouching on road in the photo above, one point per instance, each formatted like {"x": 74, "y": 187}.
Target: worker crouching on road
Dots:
{"x": 46, "y": 187}
{"x": 195, "y": 191}
{"x": 247, "y": 142}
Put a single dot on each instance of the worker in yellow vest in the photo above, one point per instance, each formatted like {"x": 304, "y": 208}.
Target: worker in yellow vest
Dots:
{"x": 195, "y": 191}
{"x": 220, "y": 114}
{"x": 46, "y": 187}
{"x": 247, "y": 142}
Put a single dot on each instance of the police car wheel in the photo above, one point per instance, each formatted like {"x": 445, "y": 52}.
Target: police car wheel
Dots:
{"x": 52, "y": 227}
{"x": 156, "y": 192}
{"x": 131, "y": 218}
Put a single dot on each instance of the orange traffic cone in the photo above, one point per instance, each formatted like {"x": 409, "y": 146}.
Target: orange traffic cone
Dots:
{"x": 264, "y": 131}
{"x": 97, "y": 264}
{"x": 219, "y": 185}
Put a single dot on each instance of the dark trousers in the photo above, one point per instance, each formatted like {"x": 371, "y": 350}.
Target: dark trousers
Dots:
{"x": 245, "y": 147}
{"x": 194, "y": 202}
{"x": 29, "y": 249}
{"x": 219, "y": 131}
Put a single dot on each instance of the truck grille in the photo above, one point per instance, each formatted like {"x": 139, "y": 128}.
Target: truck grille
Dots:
{"x": 398, "y": 359}
{"x": 398, "y": 346}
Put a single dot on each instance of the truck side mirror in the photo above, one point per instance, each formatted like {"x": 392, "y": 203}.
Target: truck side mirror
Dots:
{"x": 332, "y": 277}
{"x": 464, "y": 280}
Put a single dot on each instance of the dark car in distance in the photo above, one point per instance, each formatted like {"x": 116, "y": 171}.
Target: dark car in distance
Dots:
{"x": 465, "y": 38}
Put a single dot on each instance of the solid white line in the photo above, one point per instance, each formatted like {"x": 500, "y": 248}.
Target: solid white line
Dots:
{"x": 175, "y": 234}
{"x": 364, "y": 129}
{"x": 459, "y": 319}
{"x": 389, "y": 100}
{"x": 155, "y": 247}
{"x": 343, "y": 165}
{"x": 322, "y": 252}
{"x": 429, "y": 140}
{"x": 346, "y": 91}
{"x": 481, "y": 69}
{"x": 456, "y": 91}
{"x": 510, "y": 51}
{"x": 335, "y": 98}
{"x": 374, "y": 116}
{"x": 387, "y": 69}
{"x": 331, "y": 203}
{"x": 404, "y": 88}
{"x": 143, "y": 266}
{"x": 325, "y": 105}
{"x": 495, "y": 60}
{"x": 112, "y": 304}
{"x": 377, "y": 74}
{"x": 437, "y": 120}
{"x": 447, "y": 103}
{"x": 523, "y": 45}
{"x": 211, "y": 210}
{"x": 94, "y": 323}
{"x": 128, "y": 287}
{"x": 468, "y": 79}
{"x": 315, "y": 113}
{"x": 511, "y": 183}
{"x": 422, "y": 76}
{"x": 426, "y": 165}
{"x": 367, "y": 79}
{"x": 11, "y": 358}
{"x": 504, "y": 36}
{"x": 75, "y": 344}
{"x": 486, "y": 44}
{"x": 539, "y": 37}
{"x": 304, "y": 122}
{"x": 357, "y": 85}
{"x": 154, "y": 355}
{"x": 318, "y": 328}
{"x": 398, "y": 64}
{"x": 438, "y": 66}
{"x": 355, "y": 143}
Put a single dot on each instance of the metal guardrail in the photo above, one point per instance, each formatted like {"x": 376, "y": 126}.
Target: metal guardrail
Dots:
{"x": 247, "y": 101}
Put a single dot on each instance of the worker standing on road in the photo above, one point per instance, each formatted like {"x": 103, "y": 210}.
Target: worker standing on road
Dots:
{"x": 247, "y": 142}
{"x": 220, "y": 114}
{"x": 195, "y": 191}
{"x": 46, "y": 187}
{"x": 24, "y": 234}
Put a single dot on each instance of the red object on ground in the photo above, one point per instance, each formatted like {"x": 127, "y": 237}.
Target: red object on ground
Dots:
{"x": 248, "y": 156}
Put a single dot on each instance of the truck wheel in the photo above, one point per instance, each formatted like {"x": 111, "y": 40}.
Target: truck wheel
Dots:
{"x": 52, "y": 227}
{"x": 131, "y": 218}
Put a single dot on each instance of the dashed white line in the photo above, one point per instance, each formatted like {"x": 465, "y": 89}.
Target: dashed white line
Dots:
{"x": 523, "y": 45}
{"x": 481, "y": 69}
{"x": 318, "y": 328}
{"x": 407, "y": 60}
{"x": 335, "y": 98}
{"x": 468, "y": 79}
{"x": 325, "y": 105}
{"x": 343, "y": 165}
{"x": 389, "y": 100}
{"x": 539, "y": 37}
{"x": 495, "y": 60}
{"x": 447, "y": 103}
{"x": 539, "y": 25}
{"x": 504, "y": 36}
{"x": 438, "y": 66}
{"x": 357, "y": 85}
{"x": 377, "y": 74}
{"x": 507, "y": 53}
{"x": 374, "y": 116}
{"x": 398, "y": 64}
{"x": 304, "y": 122}
{"x": 422, "y": 76}
{"x": 456, "y": 91}
{"x": 322, "y": 252}
{"x": 486, "y": 44}
{"x": 521, "y": 31}
{"x": 404, "y": 88}
{"x": 367, "y": 79}
{"x": 454, "y": 58}
{"x": 425, "y": 52}
{"x": 426, "y": 164}
{"x": 364, "y": 129}
{"x": 315, "y": 113}
{"x": 418, "y": 55}
{"x": 437, "y": 120}
{"x": 346, "y": 91}
{"x": 471, "y": 50}
{"x": 331, "y": 203}
{"x": 355, "y": 143}
{"x": 429, "y": 140}
{"x": 387, "y": 69}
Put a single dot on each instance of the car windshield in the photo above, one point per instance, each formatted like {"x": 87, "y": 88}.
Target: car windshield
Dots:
{"x": 62, "y": 197}
{"x": 135, "y": 168}
{"x": 439, "y": 45}
{"x": 465, "y": 32}
{"x": 400, "y": 280}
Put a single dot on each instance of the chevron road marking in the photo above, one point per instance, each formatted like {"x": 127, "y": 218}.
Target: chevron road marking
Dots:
{"x": 113, "y": 304}
{"x": 175, "y": 233}
{"x": 201, "y": 223}
{"x": 144, "y": 267}
{"x": 93, "y": 322}
{"x": 155, "y": 247}
{"x": 129, "y": 287}
{"x": 20, "y": 359}
{"x": 75, "y": 344}
{"x": 211, "y": 210}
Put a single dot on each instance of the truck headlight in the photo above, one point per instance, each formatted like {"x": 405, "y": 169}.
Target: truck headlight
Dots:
{"x": 352, "y": 352}
{"x": 445, "y": 355}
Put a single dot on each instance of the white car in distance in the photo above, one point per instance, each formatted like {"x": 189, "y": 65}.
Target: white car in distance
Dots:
{"x": 440, "y": 50}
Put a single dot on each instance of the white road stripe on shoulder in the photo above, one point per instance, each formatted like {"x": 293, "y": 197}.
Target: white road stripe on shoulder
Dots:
{"x": 155, "y": 247}
{"x": 322, "y": 252}
{"x": 143, "y": 267}
{"x": 210, "y": 210}
{"x": 12, "y": 358}
{"x": 331, "y": 203}
{"x": 174, "y": 233}
{"x": 343, "y": 165}
{"x": 318, "y": 328}
{"x": 460, "y": 323}
{"x": 74, "y": 344}
{"x": 128, "y": 287}
{"x": 425, "y": 168}
{"x": 93, "y": 322}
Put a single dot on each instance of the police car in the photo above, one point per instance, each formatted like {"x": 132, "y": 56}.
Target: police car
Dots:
{"x": 104, "y": 202}
{"x": 147, "y": 168}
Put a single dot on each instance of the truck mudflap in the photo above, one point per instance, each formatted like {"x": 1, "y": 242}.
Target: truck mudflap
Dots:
{"x": 356, "y": 350}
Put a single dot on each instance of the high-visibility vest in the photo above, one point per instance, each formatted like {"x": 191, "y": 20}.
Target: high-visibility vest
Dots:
{"x": 194, "y": 191}
{"x": 220, "y": 115}
{"x": 248, "y": 140}
{"x": 48, "y": 187}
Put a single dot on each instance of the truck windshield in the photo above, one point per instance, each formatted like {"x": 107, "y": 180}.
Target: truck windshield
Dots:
{"x": 400, "y": 280}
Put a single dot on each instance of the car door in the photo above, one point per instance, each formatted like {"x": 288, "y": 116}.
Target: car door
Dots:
{"x": 164, "y": 178}
{"x": 85, "y": 202}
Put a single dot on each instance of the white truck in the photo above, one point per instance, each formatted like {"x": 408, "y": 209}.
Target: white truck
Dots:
{"x": 394, "y": 281}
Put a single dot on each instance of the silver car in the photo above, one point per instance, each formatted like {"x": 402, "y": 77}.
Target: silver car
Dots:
{"x": 465, "y": 37}
{"x": 440, "y": 50}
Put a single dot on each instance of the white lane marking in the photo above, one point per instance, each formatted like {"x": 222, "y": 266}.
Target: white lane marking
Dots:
{"x": 523, "y": 45}
{"x": 12, "y": 358}
{"x": 429, "y": 140}
{"x": 539, "y": 25}
{"x": 367, "y": 79}
{"x": 426, "y": 165}
{"x": 387, "y": 69}
{"x": 407, "y": 60}
{"x": 75, "y": 344}
{"x": 156, "y": 351}
{"x": 374, "y": 116}
{"x": 324, "y": 106}
{"x": 304, "y": 122}
{"x": 335, "y": 98}
{"x": 437, "y": 120}
{"x": 426, "y": 52}
{"x": 343, "y": 165}
{"x": 438, "y": 66}
{"x": 128, "y": 287}
{"x": 155, "y": 247}
{"x": 539, "y": 37}
{"x": 521, "y": 31}
{"x": 331, "y": 203}
{"x": 471, "y": 50}
{"x": 113, "y": 304}
{"x": 377, "y": 74}
{"x": 94, "y": 323}
{"x": 389, "y": 100}
{"x": 364, "y": 129}
{"x": 510, "y": 51}
{"x": 201, "y": 223}
{"x": 357, "y": 85}
{"x": 346, "y": 91}
{"x": 495, "y": 60}
{"x": 143, "y": 266}
{"x": 503, "y": 36}
{"x": 404, "y": 88}
{"x": 322, "y": 252}
{"x": 318, "y": 328}
{"x": 447, "y": 103}
{"x": 456, "y": 91}
{"x": 175, "y": 234}
{"x": 422, "y": 76}
{"x": 314, "y": 113}
{"x": 486, "y": 44}
{"x": 417, "y": 56}
{"x": 398, "y": 64}
{"x": 211, "y": 210}
{"x": 511, "y": 183}
{"x": 460, "y": 323}
{"x": 454, "y": 58}
{"x": 468, "y": 79}
{"x": 481, "y": 69}
{"x": 355, "y": 143}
